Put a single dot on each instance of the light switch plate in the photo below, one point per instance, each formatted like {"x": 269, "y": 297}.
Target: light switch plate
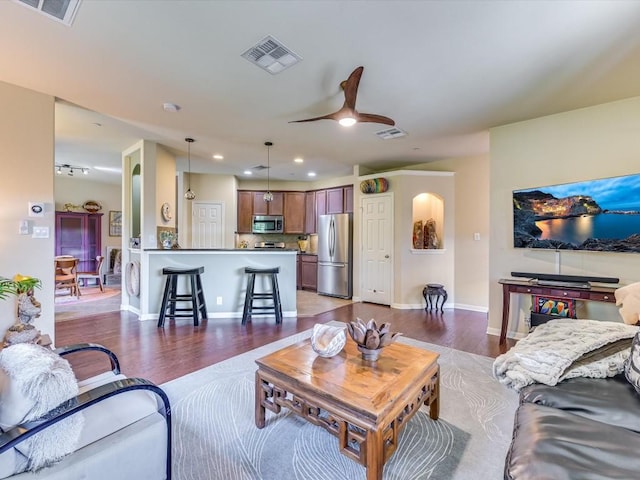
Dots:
{"x": 40, "y": 232}
{"x": 23, "y": 227}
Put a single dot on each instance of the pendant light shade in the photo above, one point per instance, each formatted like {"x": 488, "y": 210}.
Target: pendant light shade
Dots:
{"x": 268, "y": 197}
{"x": 189, "y": 195}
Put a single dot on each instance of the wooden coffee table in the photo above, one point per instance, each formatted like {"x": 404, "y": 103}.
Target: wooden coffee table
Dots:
{"x": 365, "y": 405}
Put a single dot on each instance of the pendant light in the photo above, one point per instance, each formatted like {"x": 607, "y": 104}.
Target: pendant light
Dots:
{"x": 189, "y": 195}
{"x": 268, "y": 197}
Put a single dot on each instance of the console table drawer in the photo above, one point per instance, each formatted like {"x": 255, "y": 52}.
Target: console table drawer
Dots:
{"x": 602, "y": 297}
{"x": 519, "y": 289}
{"x": 568, "y": 294}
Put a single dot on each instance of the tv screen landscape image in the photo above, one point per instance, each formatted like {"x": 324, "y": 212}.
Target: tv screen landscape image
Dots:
{"x": 598, "y": 215}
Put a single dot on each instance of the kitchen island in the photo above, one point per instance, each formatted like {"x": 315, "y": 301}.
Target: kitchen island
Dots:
{"x": 224, "y": 281}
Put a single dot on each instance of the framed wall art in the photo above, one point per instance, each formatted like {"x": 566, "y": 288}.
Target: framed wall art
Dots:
{"x": 115, "y": 223}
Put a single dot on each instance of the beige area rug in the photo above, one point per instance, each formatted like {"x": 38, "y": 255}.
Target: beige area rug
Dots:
{"x": 91, "y": 302}
{"x": 310, "y": 304}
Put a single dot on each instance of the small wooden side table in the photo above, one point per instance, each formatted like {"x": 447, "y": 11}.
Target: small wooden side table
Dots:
{"x": 434, "y": 291}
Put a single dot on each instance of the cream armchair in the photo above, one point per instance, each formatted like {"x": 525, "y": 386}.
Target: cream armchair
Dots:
{"x": 120, "y": 427}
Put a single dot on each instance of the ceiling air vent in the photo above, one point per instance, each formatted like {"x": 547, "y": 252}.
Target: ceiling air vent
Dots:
{"x": 270, "y": 55}
{"x": 390, "y": 133}
{"x": 60, "y": 10}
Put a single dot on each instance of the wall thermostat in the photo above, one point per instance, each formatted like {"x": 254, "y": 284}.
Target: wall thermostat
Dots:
{"x": 36, "y": 209}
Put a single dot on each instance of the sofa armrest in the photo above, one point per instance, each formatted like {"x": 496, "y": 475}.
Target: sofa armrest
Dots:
{"x": 16, "y": 435}
{"x": 83, "y": 347}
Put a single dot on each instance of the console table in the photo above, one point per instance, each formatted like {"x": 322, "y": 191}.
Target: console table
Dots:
{"x": 592, "y": 293}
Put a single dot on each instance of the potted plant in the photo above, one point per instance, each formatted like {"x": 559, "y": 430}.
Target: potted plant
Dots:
{"x": 167, "y": 237}
{"x": 28, "y": 307}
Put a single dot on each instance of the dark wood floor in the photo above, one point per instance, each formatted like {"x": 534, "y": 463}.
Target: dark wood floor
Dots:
{"x": 161, "y": 355}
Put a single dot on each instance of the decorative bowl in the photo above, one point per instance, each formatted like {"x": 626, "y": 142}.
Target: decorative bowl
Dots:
{"x": 370, "y": 338}
{"x": 328, "y": 341}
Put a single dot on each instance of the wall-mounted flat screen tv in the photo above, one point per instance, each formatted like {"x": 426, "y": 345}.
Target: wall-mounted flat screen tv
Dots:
{"x": 598, "y": 215}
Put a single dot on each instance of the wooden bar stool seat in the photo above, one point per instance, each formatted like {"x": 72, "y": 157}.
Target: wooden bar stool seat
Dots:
{"x": 171, "y": 297}
{"x": 274, "y": 295}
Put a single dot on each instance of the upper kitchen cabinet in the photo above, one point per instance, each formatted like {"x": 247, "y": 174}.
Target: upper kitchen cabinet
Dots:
{"x": 348, "y": 199}
{"x": 274, "y": 207}
{"x": 245, "y": 212}
{"x": 335, "y": 200}
{"x": 310, "y": 212}
{"x": 294, "y": 210}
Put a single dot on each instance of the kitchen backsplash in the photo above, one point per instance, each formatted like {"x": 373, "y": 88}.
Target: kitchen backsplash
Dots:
{"x": 290, "y": 240}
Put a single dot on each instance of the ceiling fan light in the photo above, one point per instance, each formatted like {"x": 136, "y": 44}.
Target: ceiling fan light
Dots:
{"x": 347, "y": 121}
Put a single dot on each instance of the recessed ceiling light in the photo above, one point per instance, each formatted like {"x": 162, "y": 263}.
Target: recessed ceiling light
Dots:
{"x": 298, "y": 160}
{"x": 217, "y": 156}
{"x": 170, "y": 107}
{"x": 311, "y": 174}
{"x": 248, "y": 172}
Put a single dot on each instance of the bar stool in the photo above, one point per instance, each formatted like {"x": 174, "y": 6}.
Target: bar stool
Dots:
{"x": 274, "y": 294}
{"x": 434, "y": 291}
{"x": 171, "y": 297}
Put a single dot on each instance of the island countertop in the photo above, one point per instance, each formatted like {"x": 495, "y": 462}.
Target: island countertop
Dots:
{"x": 224, "y": 281}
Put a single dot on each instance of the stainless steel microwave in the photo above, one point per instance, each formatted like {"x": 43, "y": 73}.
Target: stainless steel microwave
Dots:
{"x": 267, "y": 224}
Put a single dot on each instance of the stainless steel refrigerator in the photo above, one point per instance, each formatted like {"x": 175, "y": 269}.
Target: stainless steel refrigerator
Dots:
{"x": 335, "y": 255}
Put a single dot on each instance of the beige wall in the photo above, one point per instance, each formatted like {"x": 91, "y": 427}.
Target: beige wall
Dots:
{"x": 27, "y": 153}
{"x": 165, "y": 186}
{"x": 79, "y": 190}
{"x": 414, "y": 269}
{"x": 471, "y": 216}
{"x": 585, "y": 144}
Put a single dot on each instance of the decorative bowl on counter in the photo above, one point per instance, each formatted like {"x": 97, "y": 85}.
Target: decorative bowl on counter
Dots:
{"x": 328, "y": 341}
{"x": 370, "y": 338}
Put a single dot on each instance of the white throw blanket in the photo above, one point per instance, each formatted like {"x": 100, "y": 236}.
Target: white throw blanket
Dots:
{"x": 552, "y": 353}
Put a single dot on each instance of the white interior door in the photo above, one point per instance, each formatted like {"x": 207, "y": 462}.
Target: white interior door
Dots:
{"x": 207, "y": 225}
{"x": 377, "y": 244}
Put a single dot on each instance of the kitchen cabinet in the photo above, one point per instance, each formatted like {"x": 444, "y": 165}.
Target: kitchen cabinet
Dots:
{"x": 275, "y": 207}
{"x": 335, "y": 200}
{"x": 310, "y": 212}
{"x": 294, "y": 209}
{"x": 245, "y": 212}
{"x": 321, "y": 204}
{"x": 79, "y": 234}
{"x": 308, "y": 272}
{"x": 348, "y": 199}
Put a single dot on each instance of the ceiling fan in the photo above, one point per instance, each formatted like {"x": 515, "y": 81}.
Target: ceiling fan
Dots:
{"x": 348, "y": 115}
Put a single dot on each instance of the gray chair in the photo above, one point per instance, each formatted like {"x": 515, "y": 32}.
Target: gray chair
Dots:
{"x": 95, "y": 274}
{"x": 126, "y": 429}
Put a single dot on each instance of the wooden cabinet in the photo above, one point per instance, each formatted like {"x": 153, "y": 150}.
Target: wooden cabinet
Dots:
{"x": 308, "y": 272}
{"x": 80, "y": 235}
{"x": 335, "y": 200}
{"x": 310, "y": 223}
{"x": 275, "y": 207}
{"x": 245, "y": 212}
{"x": 294, "y": 208}
{"x": 348, "y": 199}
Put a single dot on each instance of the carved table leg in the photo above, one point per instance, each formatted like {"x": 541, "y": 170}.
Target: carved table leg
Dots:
{"x": 375, "y": 455}
{"x": 434, "y": 406}
{"x": 259, "y": 407}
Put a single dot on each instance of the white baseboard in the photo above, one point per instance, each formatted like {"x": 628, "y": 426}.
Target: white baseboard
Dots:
{"x": 514, "y": 335}
{"x": 472, "y": 308}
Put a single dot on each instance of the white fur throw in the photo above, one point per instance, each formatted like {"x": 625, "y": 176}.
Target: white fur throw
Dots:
{"x": 33, "y": 381}
{"x": 551, "y": 353}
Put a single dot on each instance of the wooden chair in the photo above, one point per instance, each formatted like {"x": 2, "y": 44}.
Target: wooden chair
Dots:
{"x": 67, "y": 274}
{"x": 96, "y": 274}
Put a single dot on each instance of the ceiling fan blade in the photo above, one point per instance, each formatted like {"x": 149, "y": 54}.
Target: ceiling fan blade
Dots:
{"x": 373, "y": 118}
{"x": 330, "y": 116}
{"x": 350, "y": 87}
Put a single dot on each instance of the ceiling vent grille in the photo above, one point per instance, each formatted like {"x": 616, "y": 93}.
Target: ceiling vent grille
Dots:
{"x": 60, "y": 10}
{"x": 271, "y": 55}
{"x": 390, "y": 133}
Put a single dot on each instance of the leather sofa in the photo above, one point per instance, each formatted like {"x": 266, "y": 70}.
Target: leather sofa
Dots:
{"x": 581, "y": 428}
